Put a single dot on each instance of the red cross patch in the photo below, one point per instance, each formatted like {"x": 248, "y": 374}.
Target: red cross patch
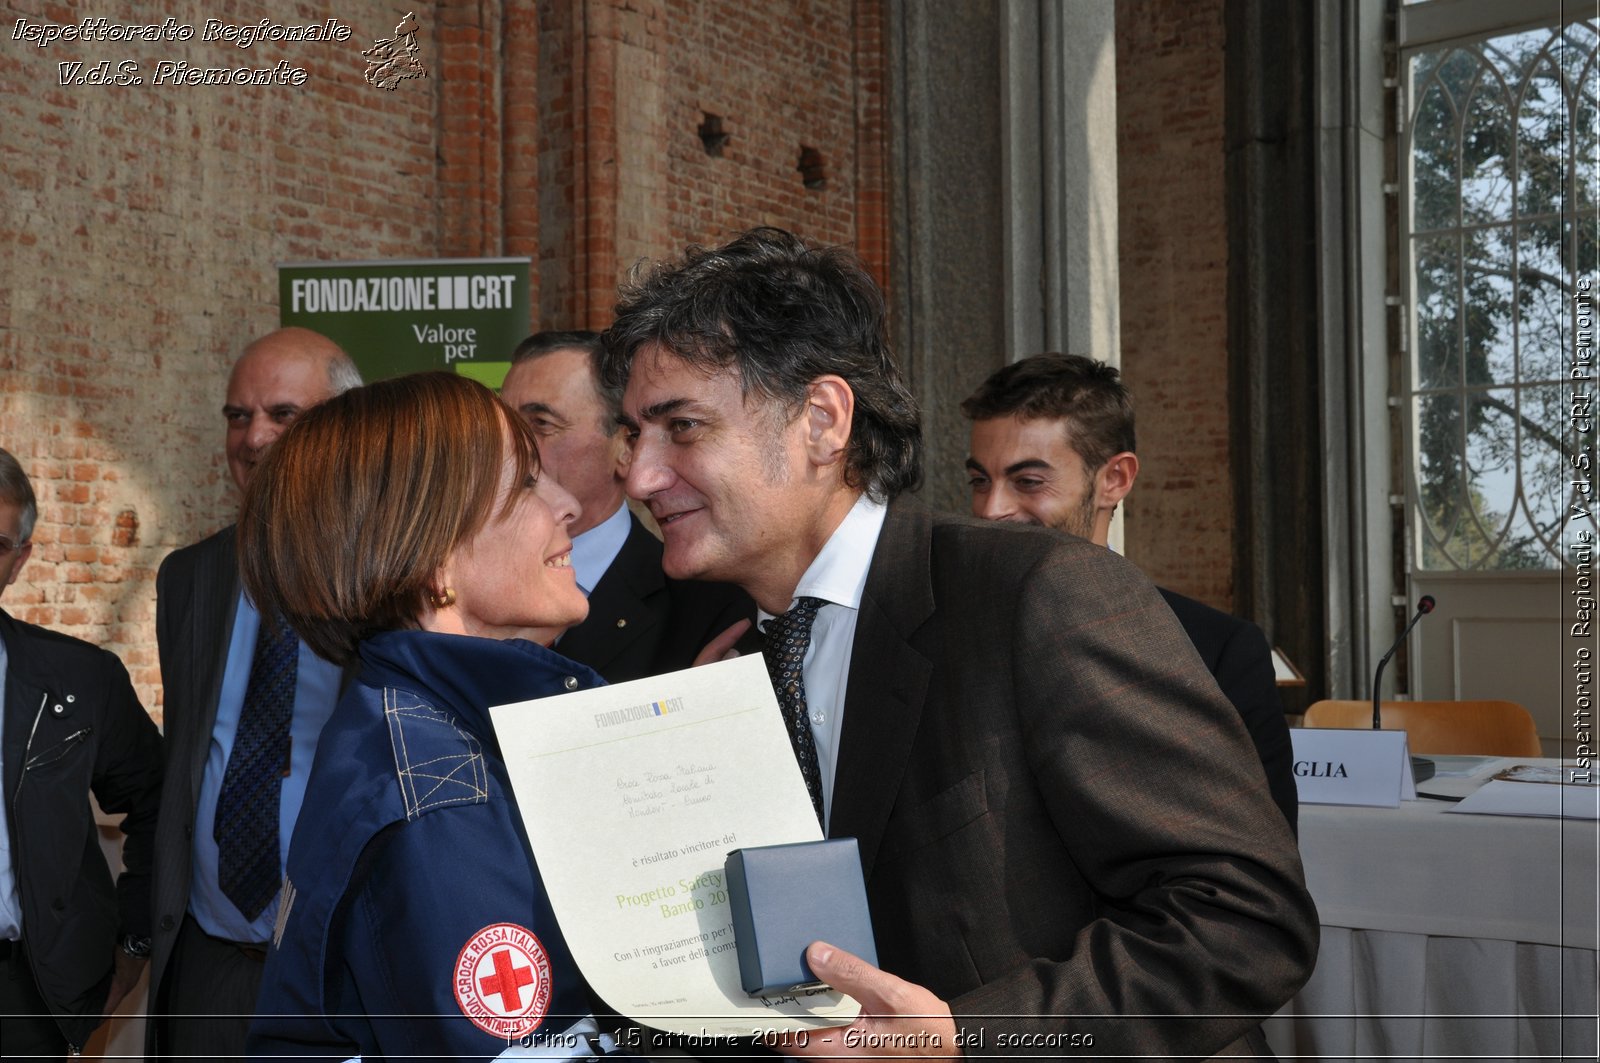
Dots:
{"x": 502, "y": 980}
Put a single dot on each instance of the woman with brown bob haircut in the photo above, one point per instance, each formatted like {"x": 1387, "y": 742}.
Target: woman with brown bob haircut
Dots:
{"x": 404, "y": 526}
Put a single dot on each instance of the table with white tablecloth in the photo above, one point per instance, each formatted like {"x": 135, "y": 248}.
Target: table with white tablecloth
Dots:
{"x": 1447, "y": 935}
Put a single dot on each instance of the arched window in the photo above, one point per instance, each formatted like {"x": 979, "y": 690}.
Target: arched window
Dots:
{"x": 1497, "y": 159}
{"x": 1500, "y": 231}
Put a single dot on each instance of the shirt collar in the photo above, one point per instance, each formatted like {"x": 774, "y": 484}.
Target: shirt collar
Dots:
{"x": 594, "y": 550}
{"x": 838, "y": 574}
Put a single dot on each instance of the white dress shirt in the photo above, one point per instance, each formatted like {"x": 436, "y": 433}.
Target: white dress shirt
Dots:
{"x": 837, "y": 575}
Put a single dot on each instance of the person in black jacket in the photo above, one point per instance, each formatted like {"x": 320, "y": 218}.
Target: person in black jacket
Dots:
{"x": 1053, "y": 444}
{"x": 74, "y": 944}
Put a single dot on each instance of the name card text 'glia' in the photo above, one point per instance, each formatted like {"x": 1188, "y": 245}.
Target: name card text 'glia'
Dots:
{"x": 1334, "y": 766}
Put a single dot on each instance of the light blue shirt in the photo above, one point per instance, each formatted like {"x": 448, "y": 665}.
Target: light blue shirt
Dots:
{"x": 10, "y": 907}
{"x": 316, "y": 691}
{"x": 594, "y": 550}
{"x": 837, "y": 575}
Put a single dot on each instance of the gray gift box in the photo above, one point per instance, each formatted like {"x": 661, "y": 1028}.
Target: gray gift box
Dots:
{"x": 784, "y": 897}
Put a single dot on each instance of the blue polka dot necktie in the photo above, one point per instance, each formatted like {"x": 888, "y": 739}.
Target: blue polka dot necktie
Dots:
{"x": 787, "y": 637}
{"x": 246, "y": 829}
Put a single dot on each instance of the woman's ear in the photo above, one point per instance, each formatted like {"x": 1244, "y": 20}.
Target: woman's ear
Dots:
{"x": 437, "y": 612}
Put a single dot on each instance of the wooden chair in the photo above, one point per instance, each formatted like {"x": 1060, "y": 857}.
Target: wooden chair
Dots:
{"x": 1485, "y": 728}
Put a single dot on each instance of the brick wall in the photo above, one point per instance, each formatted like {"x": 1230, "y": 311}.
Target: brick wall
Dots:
{"x": 468, "y": 193}
{"x": 1173, "y": 260}
{"x": 559, "y": 141}
{"x": 872, "y": 135}
{"x": 626, "y": 87}
{"x": 781, "y": 79}
{"x": 140, "y": 224}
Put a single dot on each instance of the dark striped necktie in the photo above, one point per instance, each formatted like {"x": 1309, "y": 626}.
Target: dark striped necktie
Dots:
{"x": 787, "y": 637}
{"x": 246, "y": 829}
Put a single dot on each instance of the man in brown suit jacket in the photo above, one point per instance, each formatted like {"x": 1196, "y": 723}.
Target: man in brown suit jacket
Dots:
{"x": 1066, "y": 844}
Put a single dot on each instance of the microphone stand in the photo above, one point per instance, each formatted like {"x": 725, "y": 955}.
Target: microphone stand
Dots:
{"x": 1424, "y": 606}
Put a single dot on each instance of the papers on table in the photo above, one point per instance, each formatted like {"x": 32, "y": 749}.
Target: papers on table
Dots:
{"x": 1536, "y": 790}
{"x": 1451, "y": 766}
{"x": 632, "y": 796}
{"x": 1455, "y": 776}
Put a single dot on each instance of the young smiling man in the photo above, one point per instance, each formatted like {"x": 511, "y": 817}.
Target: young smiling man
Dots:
{"x": 1056, "y": 810}
{"x": 1053, "y": 444}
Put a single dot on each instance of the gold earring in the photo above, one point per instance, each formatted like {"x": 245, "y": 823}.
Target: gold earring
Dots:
{"x": 444, "y": 599}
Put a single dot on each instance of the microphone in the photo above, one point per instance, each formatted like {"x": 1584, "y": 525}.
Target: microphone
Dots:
{"x": 1424, "y": 606}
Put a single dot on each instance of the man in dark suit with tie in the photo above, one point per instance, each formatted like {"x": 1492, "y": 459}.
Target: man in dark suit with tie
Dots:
{"x": 1053, "y": 444}
{"x": 640, "y": 622}
{"x": 244, "y": 702}
{"x": 1065, "y": 839}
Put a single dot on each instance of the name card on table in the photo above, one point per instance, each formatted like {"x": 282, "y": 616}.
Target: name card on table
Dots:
{"x": 1334, "y": 766}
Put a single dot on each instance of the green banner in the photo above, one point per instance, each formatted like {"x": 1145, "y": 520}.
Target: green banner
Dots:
{"x": 460, "y": 314}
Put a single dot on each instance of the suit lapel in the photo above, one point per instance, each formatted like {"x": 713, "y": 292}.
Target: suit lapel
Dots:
{"x": 22, "y": 701}
{"x": 888, "y": 681}
{"x": 622, "y": 595}
{"x": 216, "y": 598}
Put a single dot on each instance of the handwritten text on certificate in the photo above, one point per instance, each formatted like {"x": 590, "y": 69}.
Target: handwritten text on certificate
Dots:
{"x": 632, "y": 796}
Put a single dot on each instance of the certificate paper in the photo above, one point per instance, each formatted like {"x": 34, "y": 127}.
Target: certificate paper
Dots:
{"x": 632, "y": 796}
